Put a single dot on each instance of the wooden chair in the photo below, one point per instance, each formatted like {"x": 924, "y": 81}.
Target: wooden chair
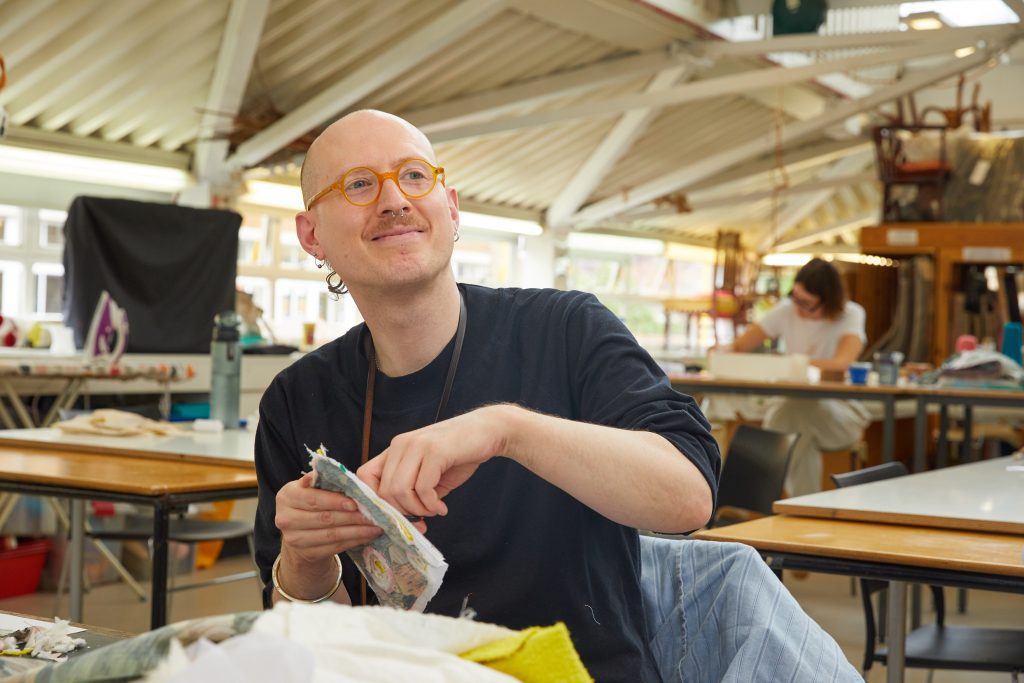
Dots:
{"x": 896, "y": 169}
{"x": 937, "y": 645}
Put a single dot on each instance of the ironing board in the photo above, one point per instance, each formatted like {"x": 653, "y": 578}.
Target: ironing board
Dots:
{"x": 74, "y": 374}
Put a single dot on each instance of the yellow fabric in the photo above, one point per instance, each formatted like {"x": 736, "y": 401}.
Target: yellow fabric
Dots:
{"x": 535, "y": 655}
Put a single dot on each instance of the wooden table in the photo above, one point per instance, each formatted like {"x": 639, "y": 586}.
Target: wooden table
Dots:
{"x": 231, "y": 447}
{"x": 896, "y": 553}
{"x": 886, "y": 394}
{"x": 165, "y": 484}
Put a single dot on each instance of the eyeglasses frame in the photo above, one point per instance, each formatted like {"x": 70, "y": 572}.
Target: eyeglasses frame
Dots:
{"x": 381, "y": 177}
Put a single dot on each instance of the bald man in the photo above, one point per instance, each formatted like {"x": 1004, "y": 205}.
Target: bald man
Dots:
{"x": 527, "y": 427}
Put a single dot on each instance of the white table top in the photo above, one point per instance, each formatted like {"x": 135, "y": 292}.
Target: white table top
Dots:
{"x": 233, "y": 447}
{"x": 984, "y": 496}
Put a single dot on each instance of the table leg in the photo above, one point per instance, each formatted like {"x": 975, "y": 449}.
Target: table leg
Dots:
{"x": 77, "y": 558}
{"x": 889, "y": 429}
{"x": 920, "y": 436}
{"x": 967, "y": 454}
{"x": 915, "y": 606}
{"x": 896, "y": 631}
{"x": 943, "y": 445}
{"x": 161, "y": 522}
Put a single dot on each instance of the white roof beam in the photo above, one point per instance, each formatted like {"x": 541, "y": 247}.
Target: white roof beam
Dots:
{"x": 818, "y": 234}
{"x": 794, "y": 212}
{"x": 614, "y": 145}
{"x": 402, "y": 55}
{"x": 697, "y": 204}
{"x": 237, "y": 51}
{"x": 688, "y": 175}
{"x": 811, "y": 42}
{"x": 535, "y": 91}
{"x": 732, "y": 84}
{"x": 793, "y": 160}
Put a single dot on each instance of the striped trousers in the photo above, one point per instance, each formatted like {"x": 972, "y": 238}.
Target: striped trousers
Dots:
{"x": 715, "y": 612}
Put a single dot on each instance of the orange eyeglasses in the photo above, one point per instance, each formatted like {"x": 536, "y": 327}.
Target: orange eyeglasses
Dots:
{"x": 361, "y": 186}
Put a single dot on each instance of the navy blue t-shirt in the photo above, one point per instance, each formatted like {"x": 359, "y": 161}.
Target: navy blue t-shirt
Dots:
{"x": 521, "y": 552}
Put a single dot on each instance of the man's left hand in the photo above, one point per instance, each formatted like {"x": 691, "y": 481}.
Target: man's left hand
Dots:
{"x": 421, "y": 467}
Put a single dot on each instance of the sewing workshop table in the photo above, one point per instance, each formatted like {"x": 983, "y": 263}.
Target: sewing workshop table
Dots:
{"x": 899, "y": 554}
{"x": 71, "y": 375}
{"x": 979, "y": 496}
{"x": 968, "y": 398}
{"x": 886, "y": 394}
{"x": 165, "y": 473}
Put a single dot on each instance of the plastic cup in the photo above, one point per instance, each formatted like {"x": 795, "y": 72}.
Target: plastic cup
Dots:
{"x": 859, "y": 373}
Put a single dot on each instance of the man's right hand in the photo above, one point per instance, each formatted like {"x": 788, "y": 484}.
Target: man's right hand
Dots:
{"x": 317, "y": 524}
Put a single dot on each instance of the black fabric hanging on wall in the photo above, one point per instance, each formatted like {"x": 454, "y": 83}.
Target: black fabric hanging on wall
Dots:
{"x": 172, "y": 268}
{"x": 798, "y": 16}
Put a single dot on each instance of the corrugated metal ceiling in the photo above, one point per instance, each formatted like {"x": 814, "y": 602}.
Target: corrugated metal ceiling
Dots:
{"x": 140, "y": 72}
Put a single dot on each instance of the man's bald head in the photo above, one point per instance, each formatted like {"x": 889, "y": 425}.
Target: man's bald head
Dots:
{"x": 350, "y": 134}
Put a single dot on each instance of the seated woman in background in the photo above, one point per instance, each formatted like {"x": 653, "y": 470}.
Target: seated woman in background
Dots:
{"x": 817, "y": 320}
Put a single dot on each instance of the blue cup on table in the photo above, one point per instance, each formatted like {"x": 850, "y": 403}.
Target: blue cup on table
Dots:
{"x": 859, "y": 373}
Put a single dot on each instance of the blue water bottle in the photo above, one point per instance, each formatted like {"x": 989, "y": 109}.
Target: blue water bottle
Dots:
{"x": 225, "y": 369}
{"x": 1012, "y": 342}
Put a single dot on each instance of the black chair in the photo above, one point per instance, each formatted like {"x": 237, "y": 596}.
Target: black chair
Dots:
{"x": 182, "y": 530}
{"x": 935, "y": 646}
{"x": 754, "y": 472}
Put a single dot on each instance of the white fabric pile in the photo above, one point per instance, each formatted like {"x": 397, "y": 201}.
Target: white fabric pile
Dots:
{"x": 53, "y": 642}
{"x": 331, "y": 643}
{"x": 109, "y": 422}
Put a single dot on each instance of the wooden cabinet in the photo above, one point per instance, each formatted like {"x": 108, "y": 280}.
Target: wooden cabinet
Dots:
{"x": 951, "y": 245}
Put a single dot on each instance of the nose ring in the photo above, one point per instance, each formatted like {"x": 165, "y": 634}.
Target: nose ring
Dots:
{"x": 397, "y": 215}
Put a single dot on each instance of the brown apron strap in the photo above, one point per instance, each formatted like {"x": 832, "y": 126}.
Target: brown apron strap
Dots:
{"x": 371, "y": 376}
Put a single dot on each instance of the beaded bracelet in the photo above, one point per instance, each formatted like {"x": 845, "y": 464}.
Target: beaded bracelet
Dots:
{"x": 277, "y": 584}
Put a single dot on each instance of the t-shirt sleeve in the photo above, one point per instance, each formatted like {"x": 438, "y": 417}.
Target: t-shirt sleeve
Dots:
{"x": 617, "y": 383}
{"x": 775, "y": 321}
{"x": 853, "y": 322}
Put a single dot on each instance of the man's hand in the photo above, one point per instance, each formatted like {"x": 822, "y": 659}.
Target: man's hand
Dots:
{"x": 421, "y": 467}
{"x": 317, "y": 524}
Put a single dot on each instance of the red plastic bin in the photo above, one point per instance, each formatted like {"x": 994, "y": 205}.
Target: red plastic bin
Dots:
{"x": 22, "y": 567}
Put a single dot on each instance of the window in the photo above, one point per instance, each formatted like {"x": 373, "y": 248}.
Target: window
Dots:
{"x": 10, "y": 225}
{"x": 31, "y": 273}
{"x": 51, "y": 230}
{"x": 49, "y": 286}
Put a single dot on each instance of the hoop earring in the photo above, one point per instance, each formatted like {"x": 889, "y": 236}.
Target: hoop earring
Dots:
{"x": 319, "y": 262}
{"x": 456, "y": 235}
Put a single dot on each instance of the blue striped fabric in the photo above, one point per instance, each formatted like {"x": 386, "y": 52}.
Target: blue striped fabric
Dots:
{"x": 715, "y": 612}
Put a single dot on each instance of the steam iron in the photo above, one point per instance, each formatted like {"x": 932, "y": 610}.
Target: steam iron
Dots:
{"x": 108, "y": 332}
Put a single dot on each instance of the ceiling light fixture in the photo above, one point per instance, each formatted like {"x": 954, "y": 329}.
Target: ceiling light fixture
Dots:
{"x": 923, "y": 21}
{"x": 26, "y": 161}
{"x": 471, "y": 220}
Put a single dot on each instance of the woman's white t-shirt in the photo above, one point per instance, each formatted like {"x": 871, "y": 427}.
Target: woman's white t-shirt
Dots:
{"x": 818, "y": 339}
